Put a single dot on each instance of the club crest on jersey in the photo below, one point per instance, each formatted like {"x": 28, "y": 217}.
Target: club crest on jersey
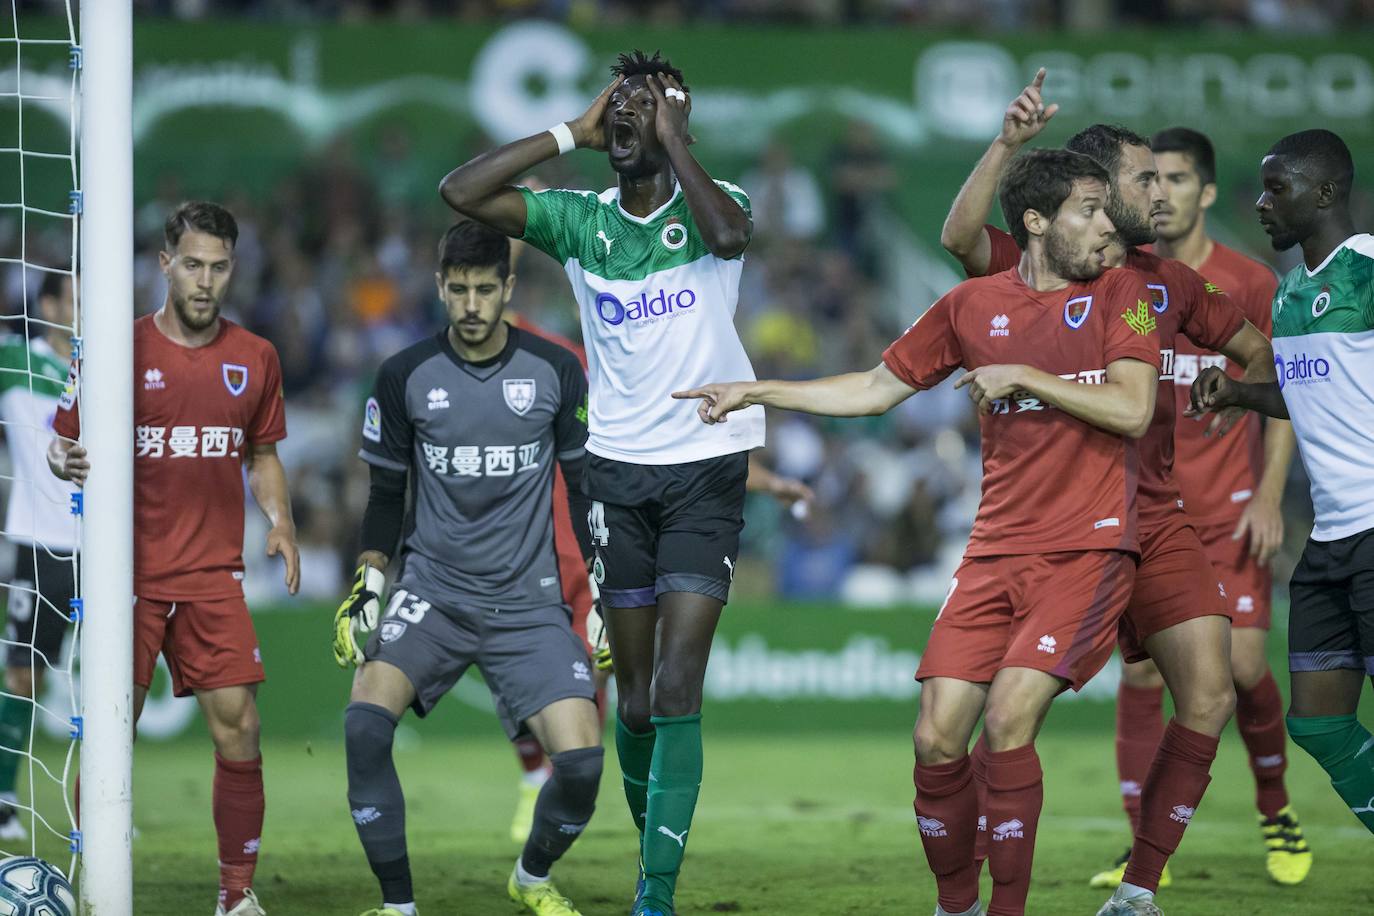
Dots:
{"x": 674, "y": 235}
{"x": 1076, "y": 311}
{"x": 1322, "y": 302}
{"x": 235, "y": 378}
{"x": 1159, "y": 297}
{"x": 519, "y": 394}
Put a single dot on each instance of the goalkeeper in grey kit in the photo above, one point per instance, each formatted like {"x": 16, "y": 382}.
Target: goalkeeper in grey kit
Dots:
{"x": 472, "y": 420}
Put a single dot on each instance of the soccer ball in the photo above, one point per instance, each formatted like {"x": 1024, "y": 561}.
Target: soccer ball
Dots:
{"x": 32, "y": 887}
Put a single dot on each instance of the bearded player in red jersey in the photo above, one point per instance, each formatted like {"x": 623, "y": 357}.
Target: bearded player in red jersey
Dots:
{"x": 207, "y": 406}
{"x": 1064, "y": 363}
{"x": 1177, "y": 614}
{"x": 1232, "y": 486}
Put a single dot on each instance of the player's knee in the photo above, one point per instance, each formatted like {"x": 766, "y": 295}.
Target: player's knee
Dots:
{"x": 633, "y": 712}
{"x": 934, "y": 747}
{"x": 1142, "y": 675}
{"x": 368, "y": 734}
{"x": 1009, "y": 725}
{"x": 1208, "y": 708}
{"x": 579, "y": 772}
{"x": 675, "y": 694}
{"x": 1247, "y": 670}
{"x": 237, "y": 735}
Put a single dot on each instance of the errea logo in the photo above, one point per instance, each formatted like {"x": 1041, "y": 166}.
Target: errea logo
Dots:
{"x": 438, "y": 399}
{"x": 1182, "y": 813}
{"x": 1000, "y": 326}
{"x": 1047, "y": 644}
{"x": 931, "y": 827}
{"x": 1245, "y": 604}
{"x": 152, "y": 380}
{"x": 1007, "y": 830}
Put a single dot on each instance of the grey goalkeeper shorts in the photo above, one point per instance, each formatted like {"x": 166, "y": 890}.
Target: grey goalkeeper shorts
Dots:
{"x": 529, "y": 659}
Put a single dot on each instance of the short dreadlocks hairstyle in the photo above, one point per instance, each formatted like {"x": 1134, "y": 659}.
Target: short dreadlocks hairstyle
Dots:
{"x": 637, "y": 63}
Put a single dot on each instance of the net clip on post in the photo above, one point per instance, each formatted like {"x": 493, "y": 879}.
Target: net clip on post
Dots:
{"x": 75, "y": 202}
{"x": 78, "y": 610}
{"x": 74, "y": 842}
{"x": 77, "y": 503}
{"x": 74, "y": 57}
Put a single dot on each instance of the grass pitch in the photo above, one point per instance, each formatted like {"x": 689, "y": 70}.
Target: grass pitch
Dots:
{"x": 820, "y": 824}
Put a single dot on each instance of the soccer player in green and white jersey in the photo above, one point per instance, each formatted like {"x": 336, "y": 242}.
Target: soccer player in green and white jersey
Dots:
{"x": 655, "y": 266}
{"x": 38, "y": 521}
{"x": 1324, "y": 354}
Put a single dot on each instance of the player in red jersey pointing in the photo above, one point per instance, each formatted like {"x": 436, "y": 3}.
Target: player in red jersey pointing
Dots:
{"x": 207, "y": 406}
{"x": 1063, "y": 364}
{"x": 1177, "y": 614}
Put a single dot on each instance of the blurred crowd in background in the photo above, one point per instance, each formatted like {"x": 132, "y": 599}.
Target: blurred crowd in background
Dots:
{"x": 1307, "y": 16}
{"x": 336, "y": 267}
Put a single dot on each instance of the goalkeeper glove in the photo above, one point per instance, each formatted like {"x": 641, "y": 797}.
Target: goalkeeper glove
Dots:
{"x": 596, "y": 630}
{"x": 357, "y": 615}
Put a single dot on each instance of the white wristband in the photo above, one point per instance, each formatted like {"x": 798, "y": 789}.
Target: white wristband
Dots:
{"x": 562, "y": 135}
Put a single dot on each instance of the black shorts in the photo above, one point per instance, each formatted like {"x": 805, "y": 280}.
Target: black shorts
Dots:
{"x": 38, "y": 611}
{"x": 1331, "y": 618}
{"x": 665, "y": 528}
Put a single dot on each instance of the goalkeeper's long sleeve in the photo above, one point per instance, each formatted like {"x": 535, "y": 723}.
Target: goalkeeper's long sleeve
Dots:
{"x": 386, "y": 511}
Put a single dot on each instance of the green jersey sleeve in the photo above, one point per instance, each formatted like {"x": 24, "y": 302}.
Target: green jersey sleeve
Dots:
{"x": 738, "y": 196}
{"x": 554, "y": 219}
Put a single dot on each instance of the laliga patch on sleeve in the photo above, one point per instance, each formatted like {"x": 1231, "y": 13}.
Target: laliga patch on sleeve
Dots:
{"x": 372, "y": 421}
{"x": 68, "y": 398}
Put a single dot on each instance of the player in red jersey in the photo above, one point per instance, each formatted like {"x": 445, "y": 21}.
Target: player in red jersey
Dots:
{"x": 207, "y": 406}
{"x": 1064, "y": 362}
{"x": 1232, "y": 487}
{"x": 1177, "y": 614}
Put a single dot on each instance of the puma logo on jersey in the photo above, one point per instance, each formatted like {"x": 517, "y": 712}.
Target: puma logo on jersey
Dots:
{"x": 605, "y": 240}
{"x": 1367, "y": 809}
{"x": 680, "y": 837}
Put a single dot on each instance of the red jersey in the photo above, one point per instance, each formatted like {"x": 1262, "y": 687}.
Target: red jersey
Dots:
{"x": 196, "y": 412}
{"x": 1051, "y": 482}
{"x": 1218, "y": 475}
{"x": 1180, "y": 300}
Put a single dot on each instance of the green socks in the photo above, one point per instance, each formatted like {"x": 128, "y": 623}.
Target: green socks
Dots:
{"x": 1346, "y": 751}
{"x": 674, "y": 781}
{"x": 636, "y": 753}
{"x": 15, "y": 716}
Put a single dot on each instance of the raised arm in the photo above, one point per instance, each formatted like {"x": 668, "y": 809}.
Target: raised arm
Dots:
{"x": 855, "y": 394}
{"x": 481, "y": 188}
{"x": 1124, "y": 404}
{"x": 723, "y": 224}
{"x": 964, "y": 235}
{"x": 267, "y": 480}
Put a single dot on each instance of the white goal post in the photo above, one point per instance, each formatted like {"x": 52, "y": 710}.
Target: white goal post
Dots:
{"x": 107, "y": 419}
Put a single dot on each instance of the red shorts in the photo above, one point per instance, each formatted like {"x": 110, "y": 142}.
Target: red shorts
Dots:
{"x": 1054, "y": 612}
{"x": 1175, "y": 583}
{"x": 207, "y": 644}
{"x": 1249, "y": 586}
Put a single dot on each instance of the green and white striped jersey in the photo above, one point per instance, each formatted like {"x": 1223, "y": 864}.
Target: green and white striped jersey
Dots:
{"x": 1324, "y": 354}
{"x": 658, "y": 313}
{"x": 32, "y": 378}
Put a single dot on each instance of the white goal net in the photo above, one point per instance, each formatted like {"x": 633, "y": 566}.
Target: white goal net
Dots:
{"x": 40, "y": 204}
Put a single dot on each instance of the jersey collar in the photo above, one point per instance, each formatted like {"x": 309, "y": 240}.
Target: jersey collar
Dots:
{"x": 646, "y": 220}
{"x": 1334, "y": 252}
{"x": 488, "y": 367}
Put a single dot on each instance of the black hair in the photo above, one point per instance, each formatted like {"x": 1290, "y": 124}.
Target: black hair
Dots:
{"x": 1321, "y": 155}
{"x": 469, "y": 244}
{"x": 1041, "y": 180}
{"x": 1192, "y": 144}
{"x": 201, "y": 216}
{"x": 52, "y": 284}
{"x": 637, "y": 63}
{"x": 1103, "y": 143}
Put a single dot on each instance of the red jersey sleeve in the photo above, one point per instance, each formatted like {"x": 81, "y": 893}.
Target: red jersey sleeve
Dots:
{"x": 1210, "y": 318}
{"x": 1004, "y": 255}
{"x": 269, "y": 421}
{"x": 929, "y": 351}
{"x": 1132, "y": 331}
{"x": 67, "y": 421}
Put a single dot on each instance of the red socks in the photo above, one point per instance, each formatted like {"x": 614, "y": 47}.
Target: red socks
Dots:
{"x": 531, "y": 754}
{"x": 979, "y": 759}
{"x": 1173, "y": 790}
{"x": 238, "y": 806}
{"x": 1259, "y": 717}
{"x": 946, "y": 812}
{"x": 1139, "y": 726}
{"x": 1015, "y": 792}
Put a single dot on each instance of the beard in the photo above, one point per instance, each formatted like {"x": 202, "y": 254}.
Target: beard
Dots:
{"x": 1065, "y": 262}
{"x": 473, "y": 335}
{"x": 182, "y": 306}
{"x": 1132, "y": 227}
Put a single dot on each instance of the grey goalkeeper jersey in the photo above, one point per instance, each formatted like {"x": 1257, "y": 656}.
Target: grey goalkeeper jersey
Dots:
{"x": 479, "y": 442}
